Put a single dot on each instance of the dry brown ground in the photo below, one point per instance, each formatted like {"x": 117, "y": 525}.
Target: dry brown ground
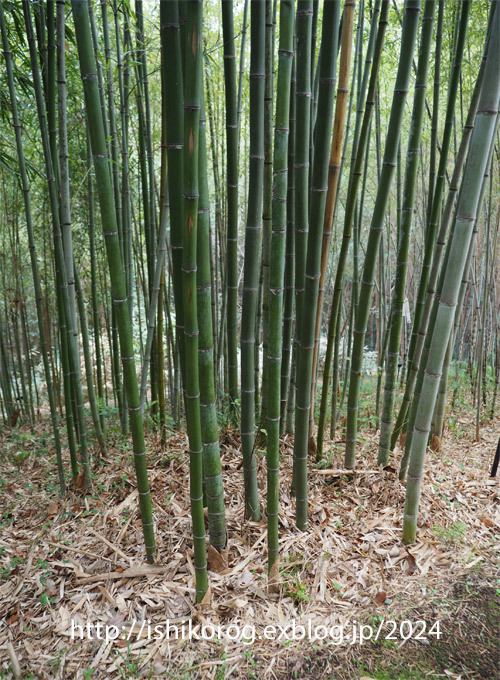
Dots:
{"x": 81, "y": 559}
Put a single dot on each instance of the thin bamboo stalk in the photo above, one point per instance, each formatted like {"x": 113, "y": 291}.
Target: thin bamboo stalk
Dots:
{"x": 431, "y": 227}
{"x": 333, "y": 177}
{"x": 408, "y": 40}
{"x": 364, "y": 112}
{"x": 409, "y": 195}
{"x": 192, "y": 98}
{"x": 231, "y": 280}
{"x": 327, "y": 79}
{"x": 115, "y": 263}
{"x": 466, "y": 215}
{"x": 251, "y": 266}
{"x": 212, "y": 467}
{"x": 32, "y": 250}
{"x": 276, "y": 276}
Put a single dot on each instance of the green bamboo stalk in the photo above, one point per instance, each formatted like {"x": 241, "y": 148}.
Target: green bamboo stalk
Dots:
{"x": 119, "y": 394}
{"x": 192, "y": 98}
{"x": 30, "y": 367}
{"x": 153, "y": 302}
{"x": 67, "y": 240}
{"x": 484, "y": 343}
{"x": 415, "y": 380}
{"x": 357, "y": 78}
{"x": 50, "y": 89}
{"x": 151, "y": 221}
{"x": 115, "y": 165}
{"x": 251, "y": 266}
{"x": 147, "y": 186}
{"x": 276, "y": 274}
{"x": 173, "y": 85}
{"x": 32, "y": 250}
{"x": 118, "y": 287}
{"x": 288, "y": 296}
{"x": 267, "y": 199}
{"x": 466, "y": 214}
{"x": 431, "y": 227}
{"x": 231, "y": 279}
{"x": 8, "y": 401}
{"x": 162, "y": 413}
{"x": 304, "y": 16}
{"x": 124, "y": 92}
{"x": 257, "y": 334}
{"x": 440, "y": 408}
{"x": 93, "y": 283}
{"x": 24, "y": 403}
{"x": 435, "y": 108}
{"x": 468, "y": 271}
{"x": 361, "y": 134}
{"x": 408, "y": 40}
{"x": 314, "y": 84}
{"x": 218, "y": 257}
{"x": 380, "y": 320}
{"x": 333, "y": 178}
{"x": 61, "y": 275}
{"x": 409, "y": 194}
{"x": 496, "y": 353}
{"x": 303, "y": 99}
{"x": 242, "y": 62}
{"x": 335, "y": 380}
{"x": 162, "y": 306}
{"x": 212, "y": 468}
{"x": 88, "y": 365}
{"x": 327, "y": 72}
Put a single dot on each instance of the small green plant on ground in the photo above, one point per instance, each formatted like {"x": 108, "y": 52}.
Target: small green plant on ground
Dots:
{"x": 297, "y": 591}
{"x": 455, "y": 533}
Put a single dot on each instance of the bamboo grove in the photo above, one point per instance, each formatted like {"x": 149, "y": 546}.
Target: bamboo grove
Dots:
{"x": 276, "y": 217}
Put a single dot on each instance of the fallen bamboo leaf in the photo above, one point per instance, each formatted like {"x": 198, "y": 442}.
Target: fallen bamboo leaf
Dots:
{"x": 347, "y": 472}
{"x": 217, "y": 561}
{"x": 133, "y": 572}
{"x": 273, "y": 578}
{"x": 412, "y": 563}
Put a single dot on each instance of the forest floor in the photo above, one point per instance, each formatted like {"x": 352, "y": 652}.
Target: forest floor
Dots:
{"x": 79, "y": 560}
